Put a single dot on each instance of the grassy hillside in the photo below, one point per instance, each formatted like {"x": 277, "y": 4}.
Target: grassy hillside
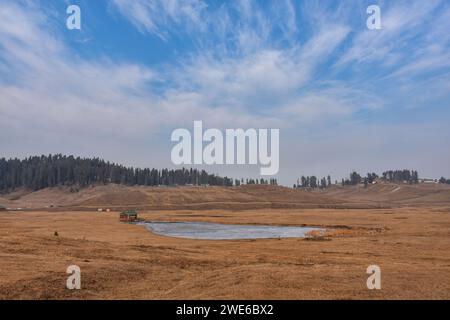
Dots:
{"x": 244, "y": 197}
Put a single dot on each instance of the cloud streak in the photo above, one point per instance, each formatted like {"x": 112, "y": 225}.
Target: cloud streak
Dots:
{"x": 302, "y": 68}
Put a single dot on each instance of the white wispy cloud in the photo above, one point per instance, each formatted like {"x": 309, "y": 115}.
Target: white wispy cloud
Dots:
{"x": 400, "y": 23}
{"x": 251, "y": 66}
{"x": 162, "y": 17}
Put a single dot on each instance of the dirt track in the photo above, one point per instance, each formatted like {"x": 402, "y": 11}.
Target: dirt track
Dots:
{"x": 411, "y": 245}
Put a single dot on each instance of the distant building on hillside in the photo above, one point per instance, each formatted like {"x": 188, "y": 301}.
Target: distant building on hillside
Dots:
{"x": 429, "y": 180}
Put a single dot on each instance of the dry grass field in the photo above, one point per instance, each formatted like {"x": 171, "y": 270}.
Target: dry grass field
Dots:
{"x": 402, "y": 228}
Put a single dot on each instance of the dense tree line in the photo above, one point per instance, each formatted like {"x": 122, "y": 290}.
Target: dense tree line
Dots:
{"x": 39, "y": 172}
{"x": 313, "y": 182}
{"x": 356, "y": 178}
{"x": 410, "y": 176}
{"x": 401, "y": 176}
{"x": 443, "y": 180}
{"x": 271, "y": 181}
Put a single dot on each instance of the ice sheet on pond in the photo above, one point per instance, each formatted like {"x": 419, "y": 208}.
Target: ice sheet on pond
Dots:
{"x": 216, "y": 231}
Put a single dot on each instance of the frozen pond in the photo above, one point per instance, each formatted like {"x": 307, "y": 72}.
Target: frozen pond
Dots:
{"x": 216, "y": 231}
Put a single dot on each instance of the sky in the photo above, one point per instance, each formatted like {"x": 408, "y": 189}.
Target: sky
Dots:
{"x": 343, "y": 97}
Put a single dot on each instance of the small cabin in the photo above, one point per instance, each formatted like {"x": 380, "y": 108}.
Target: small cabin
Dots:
{"x": 128, "y": 216}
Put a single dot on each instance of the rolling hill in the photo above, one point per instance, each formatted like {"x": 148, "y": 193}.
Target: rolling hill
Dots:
{"x": 117, "y": 197}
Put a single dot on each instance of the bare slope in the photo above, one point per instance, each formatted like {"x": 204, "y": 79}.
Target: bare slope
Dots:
{"x": 395, "y": 194}
{"x": 118, "y": 197}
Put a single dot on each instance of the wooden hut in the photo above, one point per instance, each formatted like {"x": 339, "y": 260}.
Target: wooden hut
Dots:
{"x": 128, "y": 216}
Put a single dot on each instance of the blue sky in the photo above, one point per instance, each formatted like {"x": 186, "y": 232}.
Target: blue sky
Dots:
{"x": 344, "y": 97}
